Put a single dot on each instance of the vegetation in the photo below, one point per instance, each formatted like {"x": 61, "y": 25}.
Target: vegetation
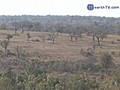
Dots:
{"x": 91, "y": 63}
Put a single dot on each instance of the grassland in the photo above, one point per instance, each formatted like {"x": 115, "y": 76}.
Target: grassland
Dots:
{"x": 63, "y": 49}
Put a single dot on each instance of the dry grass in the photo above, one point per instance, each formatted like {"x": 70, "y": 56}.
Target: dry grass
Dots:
{"x": 63, "y": 49}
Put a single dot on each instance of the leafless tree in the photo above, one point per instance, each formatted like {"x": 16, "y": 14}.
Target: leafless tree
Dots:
{"x": 24, "y": 25}
{"x": 59, "y": 28}
{"x": 52, "y": 34}
{"x": 70, "y": 31}
{"x": 3, "y": 26}
{"x": 16, "y": 26}
{"x": 28, "y": 36}
{"x": 99, "y": 31}
{"x": 75, "y": 31}
{"x": 37, "y": 26}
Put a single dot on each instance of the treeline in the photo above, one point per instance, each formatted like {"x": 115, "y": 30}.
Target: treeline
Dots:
{"x": 43, "y": 23}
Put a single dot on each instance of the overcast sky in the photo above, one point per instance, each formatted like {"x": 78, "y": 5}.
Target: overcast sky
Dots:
{"x": 57, "y": 7}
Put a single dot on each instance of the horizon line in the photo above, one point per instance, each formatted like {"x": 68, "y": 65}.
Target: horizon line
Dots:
{"x": 59, "y": 15}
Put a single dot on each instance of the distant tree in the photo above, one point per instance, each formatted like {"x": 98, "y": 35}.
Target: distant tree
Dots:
{"x": 36, "y": 26}
{"x": 29, "y": 25}
{"x": 24, "y": 25}
{"x": 70, "y": 32}
{"x": 98, "y": 39}
{"x": 59, "y": 28}
{"x": 71, "y": 36}
{"x": 16, "y": 26}
{"x": 28, "y": 36}
{"x": 99, "y": 31}
{"x": 3, "y": 26}
{"x": 118, "y": 32}
{"x": 52, "y": 34}
{"x": 75, "y": 32}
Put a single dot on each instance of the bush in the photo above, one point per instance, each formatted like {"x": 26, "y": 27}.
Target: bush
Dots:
{"x": 112, "y": 53}
{"x": 118, "y": 40}
{"x": 106, "y": 60}
{"x": 112, "y": 42}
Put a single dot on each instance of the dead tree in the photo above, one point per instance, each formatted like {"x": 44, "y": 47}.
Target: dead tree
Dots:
{"x": 16, "y": 26}
{"x": 52, "y": 34}
{"x": 28, "y": 37}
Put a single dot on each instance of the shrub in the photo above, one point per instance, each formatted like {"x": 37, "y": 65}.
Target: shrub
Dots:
{"x": 112, "y": 42}
{"x": 106, "y": 60}
{"x": 118, "y": 40}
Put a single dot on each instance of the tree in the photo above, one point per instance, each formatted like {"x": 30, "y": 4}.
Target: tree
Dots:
{"x": 77, "y": 33}
{"x": 52, "y": 35}
{"x": 36, "y": 26}
{"x": 28, "y": 37}
{"x": 99, "y": 31}
{"x": 29, "y": 25}
{"x": 23, "y": 25}
{"x": 118, "y": 32}
{"x": 101, "y": 34}
{"x": 59, "y": 28}
{"x": 3, "y": 26}
{"x": 74, "y": 31}
{"x": 16, "y": 26}
{"x": 70, "y": 31}
{"x": 98, "y": 39}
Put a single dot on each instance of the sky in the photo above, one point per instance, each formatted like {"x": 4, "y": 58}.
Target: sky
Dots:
{"x": 58, "y": 7}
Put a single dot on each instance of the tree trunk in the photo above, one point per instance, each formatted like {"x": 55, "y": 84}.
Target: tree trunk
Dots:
{"x": 76, "y": 39}
{"x": 98, "y": 41}
{"x": 53, "y": 40}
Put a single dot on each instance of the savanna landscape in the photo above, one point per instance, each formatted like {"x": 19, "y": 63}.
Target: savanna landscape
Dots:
{"x": 59, "y": 53}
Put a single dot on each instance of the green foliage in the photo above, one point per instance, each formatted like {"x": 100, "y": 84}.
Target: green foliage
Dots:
{"x": 78, "y": 81}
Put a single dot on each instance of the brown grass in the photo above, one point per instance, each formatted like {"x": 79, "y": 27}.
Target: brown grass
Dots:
{"x": 63, "y": 49}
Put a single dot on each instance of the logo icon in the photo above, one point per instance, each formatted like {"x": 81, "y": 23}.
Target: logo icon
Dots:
{"x": 90, "y": 7}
